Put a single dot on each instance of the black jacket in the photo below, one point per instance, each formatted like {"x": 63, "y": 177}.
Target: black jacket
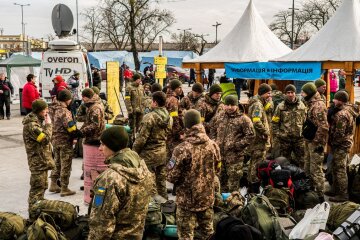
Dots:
{"x": 7, "y": 87}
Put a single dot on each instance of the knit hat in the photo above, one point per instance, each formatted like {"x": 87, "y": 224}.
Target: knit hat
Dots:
{"x": 319, "y": 83}
{"x": 87, "y": 92}
{"x": 215, "y": 89}
{"x": 309, "y": 89}
{"x": 174, "y": 84}
{"x": 290, "y": 88}
{"x": 156, "y": 87}
{"x": 264, "y": 88}
{"x": 38, "y": 105}
{"x": 231, "y": 100}
{"x": 115, "y": 138}
{"x": 59, "y": 78}
{"x": 342, "y": 96}
{"x": 76, "y": 73}
{"x": 96, "y": 90}
{"x": 191, "y": 118}
{"x": 197, "y": 87}
{"x": 64, "y": 95}
{"x": 273, "y": 86}
{"x": 136, "y": 76}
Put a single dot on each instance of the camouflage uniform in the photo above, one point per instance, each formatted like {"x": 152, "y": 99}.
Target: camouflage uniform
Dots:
{"x": 314, "y": 155}
{"x": 150, "y": 144}
{"x": 133, "y": 100}
{"x": 233, "y": 132}
{"x": 189, "y": 101}
{"x": 208, "y": 107}
{"x": 94, "y": 123}
{"x": 287, "y": 124}
{"x": 62, "y": 140}
{"x": 37, "y": 137}
{"x": 108, "y": 112}
{"x": 121, "y": 198}
{"x": 262, "y": 135}
{"x": 192, "y": 170}
{"x": 80, "y": 114}
{"x": 146, "y": 103}
{"x": 341, "y": 140}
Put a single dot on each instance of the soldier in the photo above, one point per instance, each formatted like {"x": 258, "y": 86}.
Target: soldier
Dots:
{"x": 257, "y": 112}
{"x": 121, "y": 192}
{"x": 315, "y": 133}
{"x": 287, "y": 124}
{"x": 37, "y": 133}
{"x": 341, "y": 140}
{"x": 321, "y": 88}
{"x": 108, "y": 112}
{"x": 150, "y": 143}
{"x": 190, "y": 101}
{"x": 276, "y": 96}
{"x": 62, "y": 140}
{"x": 147, "y": 99}
{"x": 233, "y": 132}
{"x": 192, "y": 170}
{"x": 210, "y": 105}
{"x": 133, "y": 101}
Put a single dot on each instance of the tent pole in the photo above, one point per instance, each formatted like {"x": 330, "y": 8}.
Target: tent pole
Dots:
{"x": 198, "y": 72}
{"x": 349, "y": 69}
{"x": 256, "y": 87}
{"x": 327, "y": 80}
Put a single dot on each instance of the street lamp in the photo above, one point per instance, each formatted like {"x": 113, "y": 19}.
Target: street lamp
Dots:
{"x": 22, "y": 21}
{"x": 77, "y": 22}
{"x": 292, "y": 23}
{"x": 216, "y": 28}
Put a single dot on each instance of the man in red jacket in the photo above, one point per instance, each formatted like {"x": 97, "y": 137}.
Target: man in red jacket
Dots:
{"x": 29, "y": 93}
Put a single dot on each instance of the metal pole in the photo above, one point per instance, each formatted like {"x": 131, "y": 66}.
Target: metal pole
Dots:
{"x": 160, "y": 45}
{"x": 292, "y": 24}
{"x": 216, "y": 30}
{"x": 22, "y": 22}
{"x": 77, "y": 22}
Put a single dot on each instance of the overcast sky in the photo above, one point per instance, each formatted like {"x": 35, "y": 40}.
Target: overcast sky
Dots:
{"x": 199, "y": 15}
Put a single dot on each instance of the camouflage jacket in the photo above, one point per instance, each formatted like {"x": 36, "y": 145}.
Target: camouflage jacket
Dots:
{"x": 121, "y": 198}
{"x": 233, "y": 132}
{"x": 317, "y": 114}
{"x": 146, "y": 103}
{"x": 133, "y": 98}
{"x": 94, "y": 123}
{"x": 288, "y": 120}
{"x": 63, "y": 125}
{"x": 37, "y": 137}
{"x": 189, "y": 101}
{"x": 81, "y": 113}
{"x": 208, "y": 108}
{"x": 172, "y": 105}
{"x": 150, "y": 142}
{"x": 192, "y": 170}
{"x": 277, "y": 97}
{"x": 342, "y": 129}
{"x": 257, "y": 114}
{"x": 108, "y": 112}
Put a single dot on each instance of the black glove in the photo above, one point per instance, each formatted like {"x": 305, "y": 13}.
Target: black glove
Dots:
{"x": 319, "y": 149}
{"x": 78, "y": 134}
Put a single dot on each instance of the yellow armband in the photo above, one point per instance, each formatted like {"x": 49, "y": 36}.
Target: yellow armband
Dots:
{"x": 275, "y": 119}
{"x": 256, "y": 119}
{"x": 174, "y": 114}
{"x": 40, "y": 137}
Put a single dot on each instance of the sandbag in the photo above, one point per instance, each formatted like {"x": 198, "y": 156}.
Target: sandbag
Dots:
{"x": 339, "y": 213}
{"x": 11, "y": 225}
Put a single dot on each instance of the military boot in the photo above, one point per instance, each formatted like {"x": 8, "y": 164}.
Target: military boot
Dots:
{"x": 339, "y": 198}
{"x": 54, "y": 187}
{"x": 65, "y": 191}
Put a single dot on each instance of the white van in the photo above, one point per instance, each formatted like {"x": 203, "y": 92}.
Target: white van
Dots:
{"x": 63, "y": 58}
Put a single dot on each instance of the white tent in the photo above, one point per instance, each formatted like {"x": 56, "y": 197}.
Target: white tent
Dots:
{"x": 249, "y": 41}
{"x": 338, "y": 40}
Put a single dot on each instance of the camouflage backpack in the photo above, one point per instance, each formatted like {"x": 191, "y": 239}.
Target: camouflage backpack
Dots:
{"x": 154, "y": 216}
{"x": 280, "y": 198}
{"x": 339, "y": 213}
{"x": 11, "y": 225}
{"x": 63, "y": 213}
{"x": 44, "y": 228}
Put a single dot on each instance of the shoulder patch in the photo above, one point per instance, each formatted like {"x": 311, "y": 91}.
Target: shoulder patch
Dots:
{"x": 99, "y": 196}
{"x": 171, "y": 164}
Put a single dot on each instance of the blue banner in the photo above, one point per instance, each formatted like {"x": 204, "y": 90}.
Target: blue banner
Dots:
{"x": 298, "y": 71}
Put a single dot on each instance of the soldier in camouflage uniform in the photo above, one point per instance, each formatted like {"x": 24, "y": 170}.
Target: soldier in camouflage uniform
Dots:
{"x": 315, "y": 145}
{"x": 62, "y": 140}
{"x": 133, "y": 100}
{"x": 190, "y": 101}
{"x": 209, "y": 105}
{"x": 341, "y": 140}
{"x": 150, "y": 143}
{"x": 37, "y": 133}
{"x": 321, "y": 88}
{"x": 192, "y": 170}
{"x": 147, "y": 99}
{"x": 234, "y": 132}
{"x": 257, "y": 112}
{"x": 108, "y": 112}
{"x": 121, "y": 192}
{"x": 287, "y": 124}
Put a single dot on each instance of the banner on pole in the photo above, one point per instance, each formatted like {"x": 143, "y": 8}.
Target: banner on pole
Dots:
{"x": 113, "y": 87}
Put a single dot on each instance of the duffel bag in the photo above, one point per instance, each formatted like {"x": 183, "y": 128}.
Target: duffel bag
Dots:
{"x": 11, "y": 225}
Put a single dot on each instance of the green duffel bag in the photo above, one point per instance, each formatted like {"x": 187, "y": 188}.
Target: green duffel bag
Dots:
{"x": 280, "y": 198}
{"x": 339, "y": 213}
{"x": 11, "y": 225}
{"x": 44, "y": 228}
{"x": 63, "y": 213}
{"x": 153, "y": 216}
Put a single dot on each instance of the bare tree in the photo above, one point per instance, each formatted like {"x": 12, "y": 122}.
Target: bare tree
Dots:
{"x": 201, "y": 45}
{"x": 92, "y": 28}
{"x": 319, "y": 11}
{"x": 185, "y": 42}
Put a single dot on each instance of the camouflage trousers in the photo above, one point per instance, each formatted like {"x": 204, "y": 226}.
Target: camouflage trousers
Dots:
{"x": 231, "y": 174}
{"x": 339, "y": 166}
{"x": 257, "y": 154}
{"x": 135, "y": 121}
{"x": 160, "y": 180}
{"x": 313, "y": 166}
{"x": 275, "y": 148}
{"x": 188, "y": 220}
{"x": 63, "y": 160}
{"x": 295, "y": 147}
{"x": 38, "y": 185}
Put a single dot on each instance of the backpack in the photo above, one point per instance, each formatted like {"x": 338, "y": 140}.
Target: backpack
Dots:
{"x": 306, "y": 200}
{"x": 354, "y": 182}
{"x": 44, "y": 228}
{"x": 80, "y": 230}
{"x": 11, "y": 225}
{"x": 282, "y": 179}
{"x": 350, "y": 228}
{"x": 296, "y": 172}
{"x": 264, "y": 170}
{"x": 63, "y": 213}
{"x": 259, "y": 213}
{"x": 153, "y": 216}
{"x": 230, "y": 228}
{"x": 280, "y": 198}
{"x": 339, "y": 213}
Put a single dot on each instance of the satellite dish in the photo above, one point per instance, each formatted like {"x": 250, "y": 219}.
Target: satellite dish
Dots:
{"x": 62, "y": 20}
